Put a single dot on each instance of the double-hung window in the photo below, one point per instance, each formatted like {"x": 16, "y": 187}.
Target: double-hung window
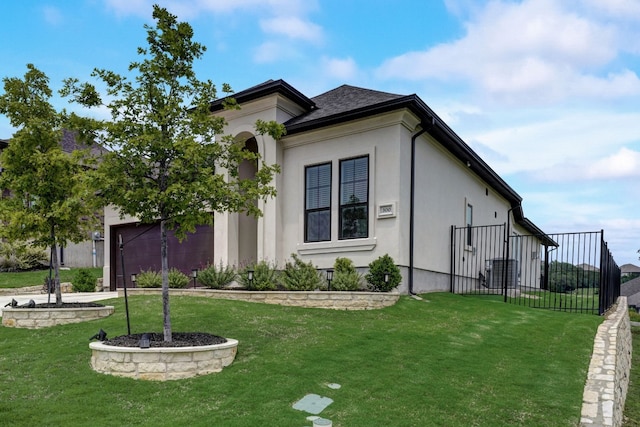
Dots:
{"x": 354, "y": 198}
{"x": 317, "y": 211}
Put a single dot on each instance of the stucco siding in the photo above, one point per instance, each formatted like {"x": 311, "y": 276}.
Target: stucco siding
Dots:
{"x": 380, "y": 139}
{"x": 444, "y": 187}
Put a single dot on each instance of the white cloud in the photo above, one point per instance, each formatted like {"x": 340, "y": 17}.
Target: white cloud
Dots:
{"x": 339, "y": 69}
{"x": 525, "y": 52}
{"x": 622, "y": 9}
{"x": 293, "y": 27}
{"x": 52, "y": 15}
{"x": 552, "y": 146}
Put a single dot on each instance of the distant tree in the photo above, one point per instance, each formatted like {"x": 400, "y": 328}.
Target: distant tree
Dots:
{"x": 170, "y": 162}
{"x": 49, "y": 204}
{"x": 566, "y": 277}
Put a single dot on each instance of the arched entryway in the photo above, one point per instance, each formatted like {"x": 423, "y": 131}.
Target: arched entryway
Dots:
{"x": 247, "y": 224}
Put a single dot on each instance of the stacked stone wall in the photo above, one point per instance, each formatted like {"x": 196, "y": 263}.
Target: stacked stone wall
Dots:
{"x": 608, "y": 378}
{"x": 310, "y": 299}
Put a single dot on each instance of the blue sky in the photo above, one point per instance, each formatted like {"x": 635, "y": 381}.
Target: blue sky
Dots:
{"x": 546, "y": 91}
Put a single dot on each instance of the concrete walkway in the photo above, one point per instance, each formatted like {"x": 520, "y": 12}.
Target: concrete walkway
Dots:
{"x": 66, "y": 297}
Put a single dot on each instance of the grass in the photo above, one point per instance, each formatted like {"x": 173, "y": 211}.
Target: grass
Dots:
{"x": 632, "y": 404}
{"x": 448, "y": 360}
{"x": 583, "y": 300}
{"x": 36, "y": 278}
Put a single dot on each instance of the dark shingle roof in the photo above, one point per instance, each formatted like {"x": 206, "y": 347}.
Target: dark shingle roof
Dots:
{"x": 69, "y": 144}
{"x": 342, "y": 100}
{"x": 631, "y": 287}
{"x": 4, "y": 143}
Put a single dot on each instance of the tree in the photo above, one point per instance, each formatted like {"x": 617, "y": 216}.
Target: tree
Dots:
{"x": 48, "y": 202}
{"x": 170, "y": 161}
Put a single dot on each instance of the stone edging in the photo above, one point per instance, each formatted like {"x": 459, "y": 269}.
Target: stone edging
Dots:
{"x": 342, "y": 300}
{"x": 162, "y": 363}
{"x": 608, "y": 378}
{"x": 36, "y": 318}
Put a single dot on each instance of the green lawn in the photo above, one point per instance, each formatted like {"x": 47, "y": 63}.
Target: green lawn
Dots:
{"x": 36, "y": 278}
{"x": 448, "y": 360}
{"x": 632, "y": 404}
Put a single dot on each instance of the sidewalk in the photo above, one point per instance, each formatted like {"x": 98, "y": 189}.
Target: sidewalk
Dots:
{"x": 66, "y": 297}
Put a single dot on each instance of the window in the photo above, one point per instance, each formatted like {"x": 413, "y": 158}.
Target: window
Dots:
{"x": 317, "y": 207}
{"x": 354, "y": 198}
{"x": 469, "y": 221}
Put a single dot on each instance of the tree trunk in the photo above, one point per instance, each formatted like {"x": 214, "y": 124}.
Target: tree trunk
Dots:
{"x": 166, "y": 313}
{"x": 56, "y": 269}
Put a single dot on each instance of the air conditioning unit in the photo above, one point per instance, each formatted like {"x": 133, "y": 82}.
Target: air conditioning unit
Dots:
{"x": 496, "y": 271}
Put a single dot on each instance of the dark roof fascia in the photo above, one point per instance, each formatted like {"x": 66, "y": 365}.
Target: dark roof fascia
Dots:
{"x": 433, "y": 124}
{"x": 534, "y": 230}
{"x": 265, "y": 89}
{"x": 4, "y": 143}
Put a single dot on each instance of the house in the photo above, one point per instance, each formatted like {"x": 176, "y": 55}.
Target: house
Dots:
{"x": 90, "y": 252}
{"x": 631, "y": 290}
{"x": 363, "y": 173}
{"x": 629, "y": 270}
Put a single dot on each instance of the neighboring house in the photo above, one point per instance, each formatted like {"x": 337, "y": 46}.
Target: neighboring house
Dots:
{"x": 363, "y": 173}
{"x": 89, "y": 253}
{"x": 631, "y": 290}
{"x": 629, "y": 269}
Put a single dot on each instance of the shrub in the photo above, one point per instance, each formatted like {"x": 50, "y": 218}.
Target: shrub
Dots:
{"x": 84, "y": 281}
{"x": 177, "y": 279}
{"x": 216, "y": 277}
{"x": 300, "y": 276}
{"x": 19, "y": 255}
{"x": 345, "y": 276}
{"x": 149, "y": 279}
{"x": 634, "y": 316}
{"x": 377, "y": 270}
{"x": 264, "y": 277}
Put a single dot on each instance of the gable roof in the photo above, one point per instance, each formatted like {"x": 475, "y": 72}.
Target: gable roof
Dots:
{"x": 69, "y": 144}
{"x": 346, "y": 103}
{"x": 629, "y": 268}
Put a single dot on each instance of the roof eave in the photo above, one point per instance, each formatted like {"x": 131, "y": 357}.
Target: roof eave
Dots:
{"x": 266, "y": 89}
{"x": 435, "y": 126}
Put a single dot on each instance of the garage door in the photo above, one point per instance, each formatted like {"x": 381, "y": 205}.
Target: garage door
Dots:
{"x": 142, "y": 250}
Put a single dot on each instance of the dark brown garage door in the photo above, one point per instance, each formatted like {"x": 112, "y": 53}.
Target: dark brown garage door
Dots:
{"x": 142, "y": 250}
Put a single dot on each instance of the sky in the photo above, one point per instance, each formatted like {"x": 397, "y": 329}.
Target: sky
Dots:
{"x": 547, "y": 92}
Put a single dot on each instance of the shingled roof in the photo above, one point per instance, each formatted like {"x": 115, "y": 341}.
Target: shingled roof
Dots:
{"x": 341, "y": 101}
{"x": 69, "y": 144}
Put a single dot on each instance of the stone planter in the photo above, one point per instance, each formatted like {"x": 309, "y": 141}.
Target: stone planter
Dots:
{"x": 337, "y": 300}
{"x": 36, "y": 318}
{"x": 162, "y": 363}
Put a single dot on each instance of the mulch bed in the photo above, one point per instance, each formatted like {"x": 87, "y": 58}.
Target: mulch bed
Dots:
{"x": 68, "y": 305}
{"x": 179, "y": 339}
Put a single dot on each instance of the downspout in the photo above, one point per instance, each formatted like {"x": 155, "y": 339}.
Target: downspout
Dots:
{"x": 412, "y": 200}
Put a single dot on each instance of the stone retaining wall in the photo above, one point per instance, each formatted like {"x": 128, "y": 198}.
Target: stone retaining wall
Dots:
{"x": 608, "y": 378}
{"x": 311, "y": 299}
{"x": 35, "y": 318}
{"x": 162, "y": 363}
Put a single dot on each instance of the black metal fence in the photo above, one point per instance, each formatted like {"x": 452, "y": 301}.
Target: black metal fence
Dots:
{"x": 566, "y": 271}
